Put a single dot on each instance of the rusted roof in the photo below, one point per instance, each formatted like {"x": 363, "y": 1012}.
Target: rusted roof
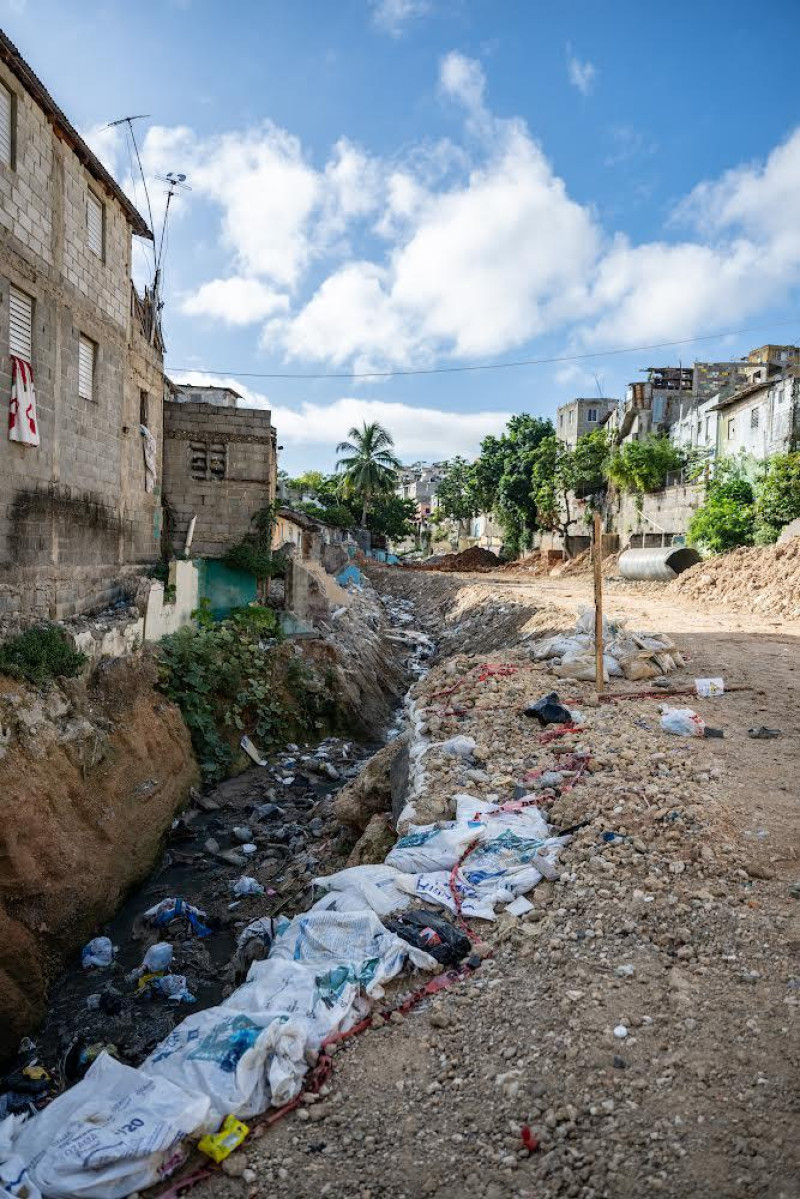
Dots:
{"x": 10, "y": 55}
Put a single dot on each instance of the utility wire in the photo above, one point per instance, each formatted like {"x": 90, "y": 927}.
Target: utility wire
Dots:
{"x": 485, "y": 366}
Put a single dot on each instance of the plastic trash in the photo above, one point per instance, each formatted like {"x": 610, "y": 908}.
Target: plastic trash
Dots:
{"x": 707, "y": 688}
{"x": 173, "y": 986}
{"x": 117, "y": 1131}
{"x": 158, "y": 957}
{"x": 248, "y": 849}
{"x": 683, "y": 722}
{"x": 762, "y": 733}
{"x": 247, "y": 886}
{"x": 219, "y": 1145}
{"x": 549, "y": 711}
{"x": 433, "y": 933}
{"x": 99, "y": 953}
{"x": 375, "y": 887}
{"x": 163, "y": 913}
{"x": 520, "y": 906}
{"x": 252, "y": 752}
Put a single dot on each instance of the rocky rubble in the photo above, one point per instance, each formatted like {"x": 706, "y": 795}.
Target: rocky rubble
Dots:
{"x": 638, "y": 1019}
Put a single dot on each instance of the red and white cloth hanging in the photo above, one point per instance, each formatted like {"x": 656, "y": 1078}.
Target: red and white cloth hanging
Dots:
{"x": 23, "y": 425}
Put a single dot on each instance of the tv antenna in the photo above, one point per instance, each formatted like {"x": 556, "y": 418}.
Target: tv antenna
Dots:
{"x": 176, "y": 181}
{"x": 140, "y": 116}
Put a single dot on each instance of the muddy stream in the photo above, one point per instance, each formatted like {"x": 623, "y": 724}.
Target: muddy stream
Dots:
{"x": 274, "y": 824}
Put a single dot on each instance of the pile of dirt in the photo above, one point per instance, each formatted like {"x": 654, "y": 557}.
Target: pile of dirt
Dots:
{"x": 476, "y": 559}
{"x": 762, "y": 579}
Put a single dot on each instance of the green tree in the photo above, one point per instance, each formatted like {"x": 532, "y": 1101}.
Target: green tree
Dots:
{"x": 561, "y": 474}
{"x": 515, "y": 503}
{"x": 727, "y": 518}
{"x": 777, "y": 497}
{"x": 457, "y": 493}
{"x": 641, "y": 466}
{"x": 370, "y": 466}
{"x": 392, "y": 517}
{"x": 310, "y": 480}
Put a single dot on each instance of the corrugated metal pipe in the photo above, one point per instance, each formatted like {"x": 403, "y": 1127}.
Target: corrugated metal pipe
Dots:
{"x": 658, "y": 564}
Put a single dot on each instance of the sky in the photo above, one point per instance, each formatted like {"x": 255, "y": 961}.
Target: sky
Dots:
{"x": 404, "y": 185}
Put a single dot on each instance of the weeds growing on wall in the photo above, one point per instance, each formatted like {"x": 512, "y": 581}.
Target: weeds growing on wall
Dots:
{"x": 40, "y": 655}
{"x": 237, "y": 676}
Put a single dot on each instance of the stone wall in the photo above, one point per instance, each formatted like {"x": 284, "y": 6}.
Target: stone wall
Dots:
{"x": 74, "y": 513}
{"x": 229, "y": 495}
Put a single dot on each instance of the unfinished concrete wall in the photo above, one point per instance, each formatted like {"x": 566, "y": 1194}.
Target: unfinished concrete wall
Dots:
{"x": 220, "y": 466}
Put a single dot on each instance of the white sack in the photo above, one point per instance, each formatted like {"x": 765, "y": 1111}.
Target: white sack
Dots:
{"x": 116, "y": 1131}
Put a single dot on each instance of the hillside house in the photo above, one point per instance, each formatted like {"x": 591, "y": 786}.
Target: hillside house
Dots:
{"x": 80, "y": 464}
{"x": 762, "y": 419}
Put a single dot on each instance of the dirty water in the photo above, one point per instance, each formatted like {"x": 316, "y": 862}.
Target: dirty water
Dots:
{"x": 283, "y": 814}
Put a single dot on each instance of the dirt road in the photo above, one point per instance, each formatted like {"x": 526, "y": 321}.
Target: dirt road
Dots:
{"x": 641, "y": 1020}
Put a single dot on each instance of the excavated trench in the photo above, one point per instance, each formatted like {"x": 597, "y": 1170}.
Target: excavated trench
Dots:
{"x": 275, "y": 824}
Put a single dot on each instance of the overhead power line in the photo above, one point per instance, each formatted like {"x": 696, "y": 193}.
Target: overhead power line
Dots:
{"x": 483, "y": 366}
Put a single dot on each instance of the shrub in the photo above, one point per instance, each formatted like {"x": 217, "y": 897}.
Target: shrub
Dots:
{"x": 231, "y": 677}
{"x": 777, "y": 497}
{"x": 41, "y": 654}
{"x": 640, "y": 466}
{"x": 726, "y": 519}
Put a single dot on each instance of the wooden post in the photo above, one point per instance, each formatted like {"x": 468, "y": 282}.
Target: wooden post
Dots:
{"x": 598, "y": 603}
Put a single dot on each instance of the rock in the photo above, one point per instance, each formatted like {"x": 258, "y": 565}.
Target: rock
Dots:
{"x": 374, "y": 843}
{"x": 379, "y": 787}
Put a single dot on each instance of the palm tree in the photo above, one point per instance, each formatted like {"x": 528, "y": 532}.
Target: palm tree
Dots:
{"x": 370, "y": 467}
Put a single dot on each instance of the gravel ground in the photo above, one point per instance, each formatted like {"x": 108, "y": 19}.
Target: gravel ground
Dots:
{"x": 641, "y": 1020}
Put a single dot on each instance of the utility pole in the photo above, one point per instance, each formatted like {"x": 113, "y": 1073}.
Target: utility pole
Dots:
{"x": 597, "y": 556}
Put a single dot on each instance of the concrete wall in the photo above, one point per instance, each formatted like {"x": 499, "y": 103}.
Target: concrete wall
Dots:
{"x": 224, "y": 507}
{"x": 74, "y": 513}
{"x": 670, "y": 509}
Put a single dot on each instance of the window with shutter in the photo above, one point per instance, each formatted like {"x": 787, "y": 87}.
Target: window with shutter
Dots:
{"x": 6, "y": 126}
{"x": 754, "y": 418}
{"x": 86, "y": 355}
{"x": 20, "y": 324}
{"x": 94, "y": 223}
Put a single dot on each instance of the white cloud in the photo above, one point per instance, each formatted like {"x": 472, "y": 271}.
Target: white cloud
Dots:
{"x": 235, "y": 301}
{"x": 581, "y": 75}
{"x": 475, "y": 268}
{"x": 760, "y": 199}
{"x": 469, "y": 250}
{"x": 464, "y": 79}
{"x": 392, "y": 16}
{"x": 313, "y": 429}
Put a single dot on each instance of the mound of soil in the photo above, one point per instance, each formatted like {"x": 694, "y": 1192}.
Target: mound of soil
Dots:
{"x": 764, "y": 579}
{"x": 475, "y": 559}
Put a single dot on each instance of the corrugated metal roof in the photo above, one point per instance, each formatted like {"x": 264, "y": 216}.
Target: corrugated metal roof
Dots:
{"x": 10, "y": 55}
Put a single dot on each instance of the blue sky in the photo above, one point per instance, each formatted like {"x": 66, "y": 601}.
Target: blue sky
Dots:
{"x": 396, "y": 184}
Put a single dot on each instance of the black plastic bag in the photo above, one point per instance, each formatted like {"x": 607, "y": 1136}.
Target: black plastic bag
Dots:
{"x": 549, "y": 711}
{"x": 433, "y": 933}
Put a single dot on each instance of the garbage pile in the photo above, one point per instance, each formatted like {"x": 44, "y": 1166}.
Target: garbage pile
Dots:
{"x": 122, "y": 1129}
{"x": 634, "y": 656}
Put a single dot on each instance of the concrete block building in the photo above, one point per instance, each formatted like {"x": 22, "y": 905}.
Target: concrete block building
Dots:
{"x": 79, "y": 511}
{"x": 582, "y": 416}
{"x": 220, "y": 467}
